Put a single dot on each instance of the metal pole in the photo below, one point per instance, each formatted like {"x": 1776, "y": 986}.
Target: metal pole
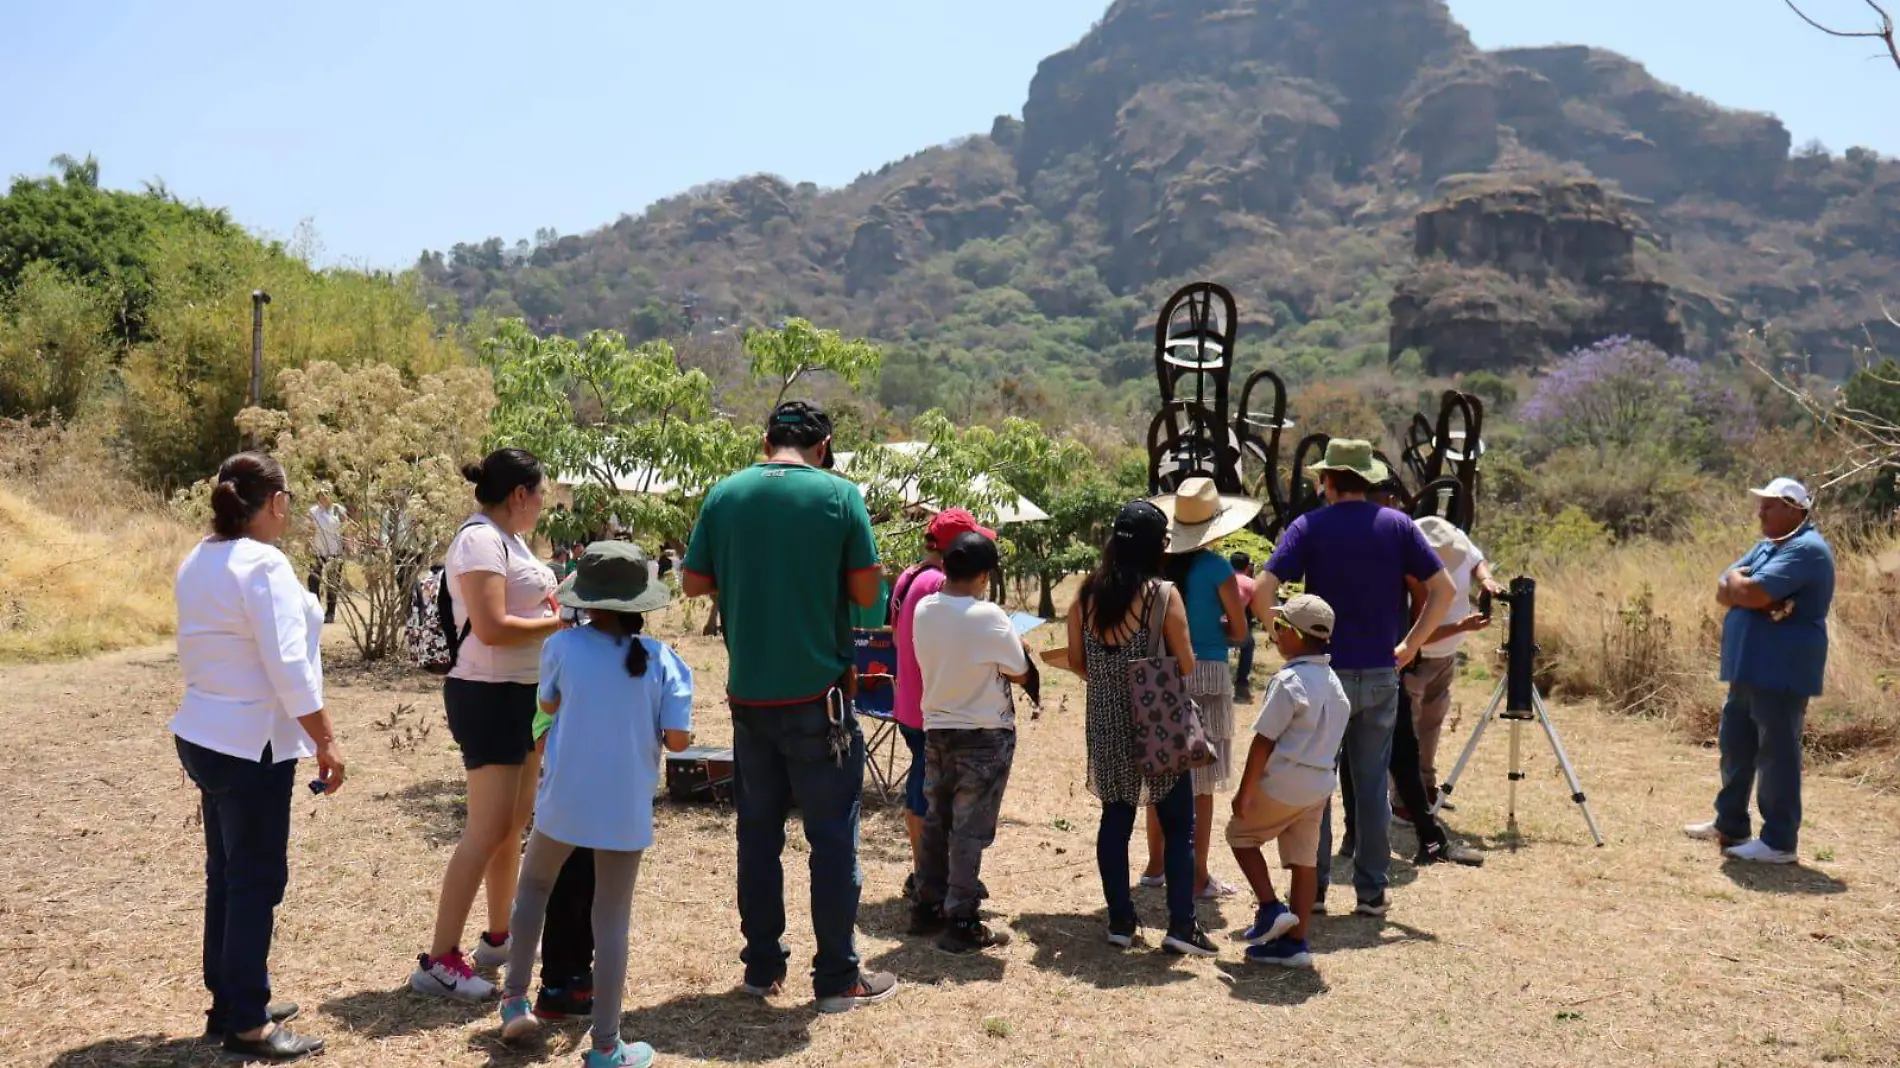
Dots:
{"x": 259, "y": 298}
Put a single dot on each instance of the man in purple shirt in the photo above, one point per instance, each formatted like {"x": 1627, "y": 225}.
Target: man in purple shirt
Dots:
{"x": 1356, "y": 556}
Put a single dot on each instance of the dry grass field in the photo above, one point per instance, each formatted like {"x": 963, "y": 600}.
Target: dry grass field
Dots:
{"x": 1649, "y": 951}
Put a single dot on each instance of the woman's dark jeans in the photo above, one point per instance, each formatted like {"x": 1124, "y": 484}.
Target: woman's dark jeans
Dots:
{"x": 1176, "y": 812}
{"x": 247, "y": 864}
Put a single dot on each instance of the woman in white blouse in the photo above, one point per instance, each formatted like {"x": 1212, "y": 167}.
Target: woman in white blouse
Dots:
{"x": 247, "y": 642}
{"x": 504, "y": 609}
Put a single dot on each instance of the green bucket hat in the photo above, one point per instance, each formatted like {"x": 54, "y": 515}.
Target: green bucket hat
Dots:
{"x": 1347, "y": 454}
{"x": 613, "y": 576}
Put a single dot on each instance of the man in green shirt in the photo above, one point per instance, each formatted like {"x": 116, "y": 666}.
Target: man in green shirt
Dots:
{"x": 786, "y": 548}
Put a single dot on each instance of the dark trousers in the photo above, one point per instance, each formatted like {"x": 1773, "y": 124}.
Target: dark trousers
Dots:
{"x": 1243, "y": 671}
{"x": 323, "y": 581}
{"x": 965, "y": 773}
{"x": 567, "y": 938}
{"x": 1760, "y": 741}
{"x": 782, "y": 755}
{"x": 1410, "y": 783}
{"x": 246, "y": 807}
{"x": 1176, "y": 812}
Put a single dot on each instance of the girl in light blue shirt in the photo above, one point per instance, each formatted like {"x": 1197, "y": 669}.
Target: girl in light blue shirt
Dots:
{"x": 616, "y": 698}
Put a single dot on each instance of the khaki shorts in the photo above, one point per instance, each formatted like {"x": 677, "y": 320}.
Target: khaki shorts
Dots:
{"x": 1295, "y": 828}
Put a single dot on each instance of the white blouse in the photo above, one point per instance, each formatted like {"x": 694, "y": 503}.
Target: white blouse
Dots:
{"x": 248, "y": 641}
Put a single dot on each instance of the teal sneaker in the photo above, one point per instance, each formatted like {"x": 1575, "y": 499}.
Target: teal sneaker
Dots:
{"x": 637, "y": 1055}
{"x": 516, "y": 1021}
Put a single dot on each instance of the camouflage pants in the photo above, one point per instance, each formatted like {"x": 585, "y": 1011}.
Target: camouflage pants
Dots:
{"x": 965, "y": 772}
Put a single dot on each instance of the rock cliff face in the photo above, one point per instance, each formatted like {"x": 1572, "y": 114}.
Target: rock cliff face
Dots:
{"x": 1566, "y": 252}
{"x": 1293, "y": 149}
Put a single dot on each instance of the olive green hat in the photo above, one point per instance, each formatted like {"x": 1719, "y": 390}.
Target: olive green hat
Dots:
{"x": 613, "y": 576}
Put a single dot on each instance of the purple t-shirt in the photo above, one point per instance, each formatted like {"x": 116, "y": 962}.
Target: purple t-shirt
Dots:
{"x": 1355, "y": 556}
{"x": 910, "y": 678}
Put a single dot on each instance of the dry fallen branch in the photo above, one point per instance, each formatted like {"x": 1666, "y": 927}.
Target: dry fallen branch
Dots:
{"x": 1884, "y": 33}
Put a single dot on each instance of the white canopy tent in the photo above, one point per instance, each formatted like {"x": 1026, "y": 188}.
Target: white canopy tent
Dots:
{"x": 1021, "y": 510}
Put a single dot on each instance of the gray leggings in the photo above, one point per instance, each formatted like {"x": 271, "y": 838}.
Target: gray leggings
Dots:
{"x": 614, "y": 876}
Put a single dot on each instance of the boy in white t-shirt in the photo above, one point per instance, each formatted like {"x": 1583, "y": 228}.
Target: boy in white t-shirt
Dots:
{"x": 967, "y": 652}
{"x": 1289, "y": 776}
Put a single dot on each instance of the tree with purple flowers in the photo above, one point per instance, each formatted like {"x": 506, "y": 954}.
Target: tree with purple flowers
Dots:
{"x": 1626, "y": 395}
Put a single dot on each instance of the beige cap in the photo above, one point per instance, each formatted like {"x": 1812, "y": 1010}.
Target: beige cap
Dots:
{"x": 1309, "y": 615}
{"x": 1450, "y": 543}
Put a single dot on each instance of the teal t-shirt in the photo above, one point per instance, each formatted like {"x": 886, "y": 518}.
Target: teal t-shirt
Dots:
{"x": 1201, "y": 595}
{"x": 1790, "y": 655}
{"x": 778, "y": 541}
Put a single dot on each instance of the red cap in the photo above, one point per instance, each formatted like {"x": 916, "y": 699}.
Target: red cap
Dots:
{"x": 949, "y": 523}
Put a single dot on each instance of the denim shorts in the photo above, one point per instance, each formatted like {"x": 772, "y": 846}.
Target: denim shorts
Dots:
{"x": 914, "y": 782}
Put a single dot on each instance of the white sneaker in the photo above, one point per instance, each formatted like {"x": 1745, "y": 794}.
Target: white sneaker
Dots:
{"x": 449, "y": 976}
{"x": 1757, "y": 852}
{"x": 1152, "y": 881}
{"x": 1702, "y": 832}
{"x": 487, "y": 956}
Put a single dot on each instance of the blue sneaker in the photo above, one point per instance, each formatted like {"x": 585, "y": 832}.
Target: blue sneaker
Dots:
{"x": 638, "y": 1055}
{"x": 516, "y": 1021}
{"x": 1270, "y": 921}
{"x": 1285, "y": 952}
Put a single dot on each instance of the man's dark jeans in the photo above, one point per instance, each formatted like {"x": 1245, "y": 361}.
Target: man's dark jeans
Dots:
{"x": 781, "y": 755}
{"x": 1760, "y": 740}
{"x": 1407, "y": 779}
{"x": 1243, "y": 671}
{"x": 1176, "y": 812}
{"x": 965, "y": 773}
{"x": 246, "y": 807}
{"x": 567, "y": 938}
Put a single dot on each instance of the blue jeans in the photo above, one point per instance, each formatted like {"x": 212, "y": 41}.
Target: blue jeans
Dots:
{"x": 914, "y": 798}
{"x": 781, "y": 756}
{"x": 1760, "y": 740}
{"x": 1366, "y": 753}
{"x": 1176, "y": 812}
{"x": 1243, "y": 671}
{"x": 247, "y": 864}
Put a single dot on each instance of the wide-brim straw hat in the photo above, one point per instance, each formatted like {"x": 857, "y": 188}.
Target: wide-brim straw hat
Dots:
{"x": 1348, "y": 454}
{"x": 1200, "y": 515}
{"x": 613, "y": 576}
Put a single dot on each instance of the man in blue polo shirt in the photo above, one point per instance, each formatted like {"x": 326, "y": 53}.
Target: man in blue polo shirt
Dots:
{"x": 1774, "y": 651}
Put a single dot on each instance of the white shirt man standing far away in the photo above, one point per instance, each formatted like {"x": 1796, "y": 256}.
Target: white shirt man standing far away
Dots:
{"x": 326, "y": 544}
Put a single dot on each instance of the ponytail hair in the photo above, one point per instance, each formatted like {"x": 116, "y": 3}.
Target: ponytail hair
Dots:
{"x": 628, "y": 625}
{"x": 246, "y": 483}
{"x": 502, "y": 472}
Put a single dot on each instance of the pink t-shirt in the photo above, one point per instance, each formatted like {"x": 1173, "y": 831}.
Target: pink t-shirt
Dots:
{"x": 910, "y": 677}
{"x": 1247, "y": 585}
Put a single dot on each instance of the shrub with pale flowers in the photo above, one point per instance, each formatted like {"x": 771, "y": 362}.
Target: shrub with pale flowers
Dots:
{"x": 390, "y": 454}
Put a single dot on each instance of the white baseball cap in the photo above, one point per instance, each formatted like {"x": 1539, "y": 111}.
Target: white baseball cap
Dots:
{"x": 1786, "y": 490}
{"x": 1450, "y": 543}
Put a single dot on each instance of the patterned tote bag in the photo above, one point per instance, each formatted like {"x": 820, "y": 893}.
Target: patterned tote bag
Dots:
{"x": 1169, "y": 736}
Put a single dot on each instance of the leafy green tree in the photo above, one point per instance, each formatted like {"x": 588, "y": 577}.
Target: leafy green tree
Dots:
{"x": 789, "y": 353}
{"x": 608, "y": 418}
{"x": 99, "y": 236}
{"x": 54, "y": 345}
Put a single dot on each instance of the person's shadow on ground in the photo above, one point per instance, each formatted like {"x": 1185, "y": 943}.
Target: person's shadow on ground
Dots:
{"x": 1781, "y": 878}
{"x": 146, "y": 1051}
{"x": 1076, "y": 946}
{"x": 731, "y": 1028}
{"x": 1265, "y": 984}
{"x": 378, "y": 1014}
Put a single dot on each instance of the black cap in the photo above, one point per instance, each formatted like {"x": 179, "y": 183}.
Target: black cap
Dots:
{"x": 800, "y": 424}
{"x": 1141, "y": 522}
{"x": 970, "y": 555}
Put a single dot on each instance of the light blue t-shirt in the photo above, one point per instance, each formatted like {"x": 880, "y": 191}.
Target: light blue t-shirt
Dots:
{"x": 1201, "y": 594}
{"x": 1791, "y": 655}
{"x": 604, "y": 753}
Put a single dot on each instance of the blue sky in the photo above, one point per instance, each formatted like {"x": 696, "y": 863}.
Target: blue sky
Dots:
{"x": 395, "y": 126}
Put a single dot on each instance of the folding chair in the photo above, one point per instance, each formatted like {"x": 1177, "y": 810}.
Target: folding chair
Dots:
{"x": 877, "y": 702}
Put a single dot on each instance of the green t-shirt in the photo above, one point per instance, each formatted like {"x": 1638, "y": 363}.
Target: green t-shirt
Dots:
{"x": 778, "y": 541}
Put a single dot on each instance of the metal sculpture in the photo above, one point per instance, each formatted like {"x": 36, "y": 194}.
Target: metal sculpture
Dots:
{"x": 1442, "y": 461}
{"x": 1191, "y": 434}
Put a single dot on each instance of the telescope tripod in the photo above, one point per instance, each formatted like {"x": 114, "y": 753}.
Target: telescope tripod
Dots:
{"x": 1536, "y": 713}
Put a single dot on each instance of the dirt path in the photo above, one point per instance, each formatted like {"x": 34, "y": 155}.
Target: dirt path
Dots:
{"x": 1648, "y": 951}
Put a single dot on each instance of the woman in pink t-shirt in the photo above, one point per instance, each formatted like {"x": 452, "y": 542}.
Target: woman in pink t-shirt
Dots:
{"x": 919, "y": 581}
